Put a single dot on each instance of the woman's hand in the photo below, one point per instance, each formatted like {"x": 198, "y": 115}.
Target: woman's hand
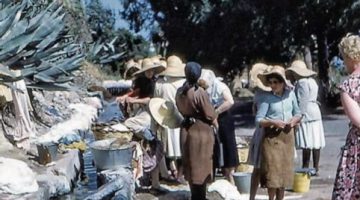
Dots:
{"x": 130, "y": 100}
{"x": 278, "y": 123}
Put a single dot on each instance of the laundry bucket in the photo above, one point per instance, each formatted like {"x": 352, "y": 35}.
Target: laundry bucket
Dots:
{"x": 301, "y": 181}
{"x": 109, "y": 154}
{"x": 242, "y": 181}
{"x": 47, "y": 152}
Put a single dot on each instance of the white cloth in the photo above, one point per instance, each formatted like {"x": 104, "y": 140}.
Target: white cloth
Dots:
{"x": 140, "y": 122}
{"x": 16, "y": 177}
{"x": 166, "y": 88}
{"x": 215, "y": 89}
{"x": 310, "y": 135}
{"x": 173, "y": 142}
{"x": 226, "y": 190}
{"x": 24, "y": 127}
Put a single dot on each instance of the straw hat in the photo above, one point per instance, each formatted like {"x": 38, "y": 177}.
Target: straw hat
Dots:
{"x": 256, "y": 69}
{"x": 276, "y": 69}
{"x": 163, "y": 113}
{"x": 149, "y": 63}
{"x": 130, "y": 68}
{"x": 299, "y": 67}
{"x": 175, "y": 67}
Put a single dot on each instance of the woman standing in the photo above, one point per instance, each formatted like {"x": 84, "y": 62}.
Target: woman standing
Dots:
{"x": 310, "y": 134}
{"x": 277, "y": 115}
{"x": 221, "y": 98}
{"x": 255, "y": 144}
{"x": 196, "y": 136}
{"x": 347, "y": 181}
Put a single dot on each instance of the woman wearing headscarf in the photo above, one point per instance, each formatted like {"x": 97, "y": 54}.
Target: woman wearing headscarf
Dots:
{"x": 277, "y": 114}
{"x": 254, "y": 158}
{"x": 310, "y": 133}
{"x": 222, "y": 99}
{"x": 196, "y": 136}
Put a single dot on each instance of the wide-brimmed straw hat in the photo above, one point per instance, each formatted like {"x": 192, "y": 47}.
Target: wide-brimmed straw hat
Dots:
{"x": 130, "y": 68}
{"x": 175, "y": 67}
{"x": 299, "y": 67}
{"x": 256, "y": 69}
{"x": 149, "y": 63}
{"x": 163, "y": 113}
{"x": 276, "y": 69}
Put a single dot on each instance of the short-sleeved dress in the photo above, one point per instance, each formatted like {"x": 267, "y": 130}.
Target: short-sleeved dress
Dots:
{"x": 197, "y": 140}
{"x": 310, "y": 133}
{"x": 347, "y": 181}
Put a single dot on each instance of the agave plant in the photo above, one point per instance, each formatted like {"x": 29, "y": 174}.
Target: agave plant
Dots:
{"x": 34, "y": 39}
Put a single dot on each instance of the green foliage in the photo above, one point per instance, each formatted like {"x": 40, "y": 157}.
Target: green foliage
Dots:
{"x": 33, "y": 38}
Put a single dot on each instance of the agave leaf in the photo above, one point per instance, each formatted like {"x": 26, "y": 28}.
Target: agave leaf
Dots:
{"x": 62, "y": 79}
{"x": 13, "y": 23}
{"x": 6, "y": 23}
{"x": 43, "y": 30}
{"x": 50, "y": 38}
{"x": 4, "y": 13}
{"x": 17, "y": 29}
{"x": 51, "y": 86}
{"x": 29, "y": 71}
{"x": 43, "y": 77}
{"x": 67, "y": 65}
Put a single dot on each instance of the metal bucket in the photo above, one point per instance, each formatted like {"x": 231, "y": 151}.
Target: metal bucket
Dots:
{"x": 47, "y": 152}
{"x": 110, "y": 156}
{"x": 242, "y": 181}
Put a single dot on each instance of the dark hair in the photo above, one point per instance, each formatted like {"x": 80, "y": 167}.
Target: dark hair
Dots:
{"x": 275, "y": 76}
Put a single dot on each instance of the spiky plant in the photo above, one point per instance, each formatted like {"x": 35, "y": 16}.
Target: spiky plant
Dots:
{"x": 34, "y": 39}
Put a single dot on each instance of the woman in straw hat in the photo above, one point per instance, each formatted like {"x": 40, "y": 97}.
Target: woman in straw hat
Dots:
{"x": 277, "y": 114}
{"x": 197, "y": 137}
{"x": 143, "y": 90}
{"x": 171, "y": 79}
{"x": 221, "y": 98}
{"x": 310, "y": 133}
{"x": 348, "y": 173}
{"x": 254, "y": 157}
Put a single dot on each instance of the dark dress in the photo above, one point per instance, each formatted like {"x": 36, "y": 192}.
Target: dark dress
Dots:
{"x": 227, "y": 137}
{"x": 197, "y": 140}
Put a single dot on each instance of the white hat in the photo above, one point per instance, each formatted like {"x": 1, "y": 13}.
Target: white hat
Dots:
{"x": 175, "y": 67}
{"x": 256, "y": 69}
{"x": 164, "y": 113}
{"x": 149, "y": 63}
{"x": 276, "y": 69}
{"x": 130, "y": 68}
{"x": 299, "y": 67}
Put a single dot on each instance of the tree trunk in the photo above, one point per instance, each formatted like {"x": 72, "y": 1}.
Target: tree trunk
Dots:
{"x": 323, "y": 64}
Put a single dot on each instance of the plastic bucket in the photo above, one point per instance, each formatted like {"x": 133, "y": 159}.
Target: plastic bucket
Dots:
{"x": 242, "y": 181}
{"x": 301, "y": 182}
{"x": 108, "y": 156}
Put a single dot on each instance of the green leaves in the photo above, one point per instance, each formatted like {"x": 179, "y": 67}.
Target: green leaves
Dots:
{"x": 32, "y": 38}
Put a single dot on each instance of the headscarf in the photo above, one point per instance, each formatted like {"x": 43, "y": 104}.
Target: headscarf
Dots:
{"x": 192, "y": 75}
{"x": 214, "y": 89}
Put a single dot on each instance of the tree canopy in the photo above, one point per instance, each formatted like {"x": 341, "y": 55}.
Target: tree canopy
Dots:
{"x": 226, "y": 33}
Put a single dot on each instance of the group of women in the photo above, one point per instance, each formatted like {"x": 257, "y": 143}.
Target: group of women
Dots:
{"x": 287, "y": 116}
{"x": 169, "y": 95}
